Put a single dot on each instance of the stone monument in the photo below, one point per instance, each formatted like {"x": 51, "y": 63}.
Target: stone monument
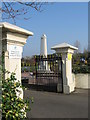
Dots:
{"x": 43, "y": 52}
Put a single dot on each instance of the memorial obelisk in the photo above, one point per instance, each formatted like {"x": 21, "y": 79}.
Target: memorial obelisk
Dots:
{"x": 43, "y": 51}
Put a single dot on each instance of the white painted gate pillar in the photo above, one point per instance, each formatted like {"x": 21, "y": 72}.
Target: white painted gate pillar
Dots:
{"x": 66, "y": 51}
{"x": 13, "y": 40}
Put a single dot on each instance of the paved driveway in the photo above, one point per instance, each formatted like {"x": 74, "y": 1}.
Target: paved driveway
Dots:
{"x": 57, "y": 105}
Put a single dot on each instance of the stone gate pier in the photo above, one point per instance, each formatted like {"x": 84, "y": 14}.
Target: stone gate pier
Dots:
{"x": 66, "y": 51}
{"x": 12, "y": 41}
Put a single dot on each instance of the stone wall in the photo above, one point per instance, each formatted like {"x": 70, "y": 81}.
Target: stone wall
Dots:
{"x": 82, "y": 81}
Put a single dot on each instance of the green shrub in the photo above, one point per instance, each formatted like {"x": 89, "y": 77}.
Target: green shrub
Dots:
{"x": 81, "y": 69}
{"x": 13, "y": 107}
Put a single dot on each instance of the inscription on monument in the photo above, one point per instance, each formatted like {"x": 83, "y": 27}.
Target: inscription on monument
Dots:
{"x": 15, "y": 51}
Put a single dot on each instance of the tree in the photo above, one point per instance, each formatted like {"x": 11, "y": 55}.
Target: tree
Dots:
{"x": 10, "y": 11}
{"x": 85, "y": 50}
{"x": 77, "y": 44}
{"x": 85, "y": 53}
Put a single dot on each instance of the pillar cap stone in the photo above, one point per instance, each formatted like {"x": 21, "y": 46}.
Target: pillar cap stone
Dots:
{"x": 64, "y": 48}
{"x": 63, "y": 45}
{"x": 13, "y": 28}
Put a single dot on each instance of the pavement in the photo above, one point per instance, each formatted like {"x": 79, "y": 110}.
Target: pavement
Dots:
{"x": 58, "y": 105}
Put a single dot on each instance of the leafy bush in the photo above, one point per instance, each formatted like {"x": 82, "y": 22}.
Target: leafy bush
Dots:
{"x": 13, "y": 107}
{"x": 81, "y": 63}
{"x": 81, "y": 69}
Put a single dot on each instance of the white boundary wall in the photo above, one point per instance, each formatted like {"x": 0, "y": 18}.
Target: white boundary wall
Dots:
{"x": 82, "y": 81}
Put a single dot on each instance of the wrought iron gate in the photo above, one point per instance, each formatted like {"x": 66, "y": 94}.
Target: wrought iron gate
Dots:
{"x": 49, "y": 71}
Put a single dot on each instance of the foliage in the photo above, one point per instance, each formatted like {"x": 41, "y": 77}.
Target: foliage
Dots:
{"x": 28, "y": 64}
{"x": 79, "y": 66}
{"x": 13, "y": 107}
{"x": 77, "y": 44}
{"x": 81, "y": 69}
{"x": 28, "y": 69}
{"x": 0, "y": 93}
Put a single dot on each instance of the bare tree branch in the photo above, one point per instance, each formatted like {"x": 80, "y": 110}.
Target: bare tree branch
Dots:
{"x": 12, "y": 10}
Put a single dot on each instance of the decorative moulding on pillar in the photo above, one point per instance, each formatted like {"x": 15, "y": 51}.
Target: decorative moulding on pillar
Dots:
{"x": 13, "y": 40}
{"x": 64, "y": 48}
{"x": 12, "y": 34}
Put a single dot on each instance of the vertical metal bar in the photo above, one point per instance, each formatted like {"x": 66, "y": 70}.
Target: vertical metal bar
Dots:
{"x": 36, "y": 65}
{"x": 38, "y": 62}
{"x": 53, "y": 65}
{"x": 58, "y": 71}
{"x": 62, "y": 74}
{"x": 50, "y": 64}
{"x": 45, "y": 64}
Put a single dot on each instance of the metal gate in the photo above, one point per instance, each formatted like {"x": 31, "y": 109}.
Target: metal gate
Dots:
{"x": 49, "y": 72}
